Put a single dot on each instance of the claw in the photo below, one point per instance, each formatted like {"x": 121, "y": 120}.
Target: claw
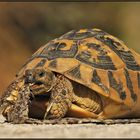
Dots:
{"x": 47, "y": 110}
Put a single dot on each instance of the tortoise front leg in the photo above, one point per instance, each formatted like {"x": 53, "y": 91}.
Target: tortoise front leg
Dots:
{"x": 60, "y": 100}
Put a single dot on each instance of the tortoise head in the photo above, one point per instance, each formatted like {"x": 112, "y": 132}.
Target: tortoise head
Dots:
{"x": 40, "y": 80}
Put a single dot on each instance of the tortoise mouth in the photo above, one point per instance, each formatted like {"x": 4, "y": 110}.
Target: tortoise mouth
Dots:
{"x": 38, "y": 88}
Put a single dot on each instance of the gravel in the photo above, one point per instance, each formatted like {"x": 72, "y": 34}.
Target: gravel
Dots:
{"x": 90, "y": 130}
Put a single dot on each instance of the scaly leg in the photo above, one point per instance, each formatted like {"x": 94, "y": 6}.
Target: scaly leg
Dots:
{"x": 60, "y": 100}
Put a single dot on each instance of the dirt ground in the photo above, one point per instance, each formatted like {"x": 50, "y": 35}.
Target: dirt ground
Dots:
{"x": 68, "y": 131}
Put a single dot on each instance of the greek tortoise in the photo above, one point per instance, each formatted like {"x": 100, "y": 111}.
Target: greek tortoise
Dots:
{"x": 85, "y": 73}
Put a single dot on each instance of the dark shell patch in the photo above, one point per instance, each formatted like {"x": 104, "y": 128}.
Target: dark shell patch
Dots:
{"x": 53, "y": 63}
{"x": 94, "y": 46}
{"x": 41, "y": 63}
{"x": 118, "y": 86}
{"x": 97, "y": 80}
{"x": 102, "y": 61}
{"x": 54, "y": 51}
{"x": 75, "y": 35}
{"x": 75, "y": 72}
{"x": 138, "y": 77}
{"x": 129, "y": 85}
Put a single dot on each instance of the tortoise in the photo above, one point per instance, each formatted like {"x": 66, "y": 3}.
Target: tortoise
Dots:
{"x": 84, "y": 73}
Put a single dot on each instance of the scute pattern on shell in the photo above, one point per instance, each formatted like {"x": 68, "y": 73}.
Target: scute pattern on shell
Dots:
{"x": 95, "y": 59}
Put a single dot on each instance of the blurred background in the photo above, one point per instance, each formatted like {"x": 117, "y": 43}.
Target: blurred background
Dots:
{"x": 24, "y": 27}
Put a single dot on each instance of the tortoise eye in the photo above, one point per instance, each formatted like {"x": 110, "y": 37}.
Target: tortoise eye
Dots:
{"x": 41, "y": 74}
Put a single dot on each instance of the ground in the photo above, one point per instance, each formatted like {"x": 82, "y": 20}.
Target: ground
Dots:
{"x": 89, "y": 130}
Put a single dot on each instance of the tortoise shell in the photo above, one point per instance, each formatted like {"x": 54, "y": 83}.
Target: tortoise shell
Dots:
{"x": 94, "y": 59}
